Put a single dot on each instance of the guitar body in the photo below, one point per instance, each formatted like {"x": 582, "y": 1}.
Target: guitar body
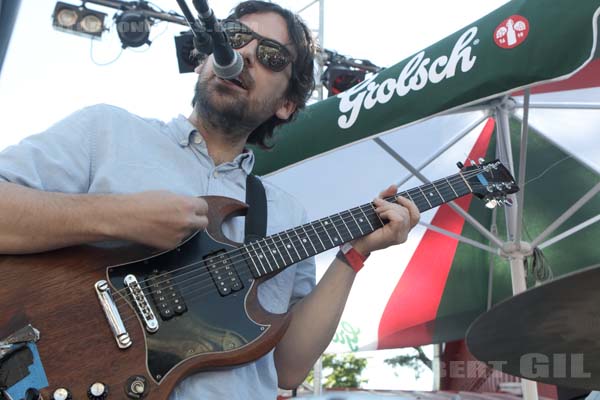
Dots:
{"x": 200, "y": 327}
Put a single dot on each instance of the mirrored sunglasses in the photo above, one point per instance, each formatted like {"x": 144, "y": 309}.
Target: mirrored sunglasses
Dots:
{"x": 270, "y": 53}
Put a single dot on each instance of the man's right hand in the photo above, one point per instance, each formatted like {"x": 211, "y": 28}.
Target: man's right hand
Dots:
{"x": 159, "y": 219}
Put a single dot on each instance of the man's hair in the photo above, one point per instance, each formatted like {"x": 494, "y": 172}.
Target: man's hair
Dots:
{"x": 302, "y": 81}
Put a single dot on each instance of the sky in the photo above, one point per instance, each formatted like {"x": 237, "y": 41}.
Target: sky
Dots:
{"x": 48, "y": 74}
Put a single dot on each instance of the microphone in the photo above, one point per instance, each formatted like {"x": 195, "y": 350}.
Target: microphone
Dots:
{"x": 228, "y": 63}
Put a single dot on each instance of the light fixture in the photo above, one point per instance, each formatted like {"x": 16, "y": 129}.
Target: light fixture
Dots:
{"x": 133, "y": 28}
{"x": 78, "y": 20}
{"x": 339, "y": 78}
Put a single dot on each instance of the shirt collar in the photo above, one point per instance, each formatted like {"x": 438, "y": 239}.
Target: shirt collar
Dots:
{"x": 183, "y": 130}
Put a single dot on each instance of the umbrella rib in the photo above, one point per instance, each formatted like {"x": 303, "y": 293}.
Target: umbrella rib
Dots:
{"x": 566, "y": 215}
{"x": 570, "y": 232}
{"x": 451, "y": 143}
{"x": 566, "y": 106}
{"x": 453, "y": 205}
{"x": 495, "y": 251}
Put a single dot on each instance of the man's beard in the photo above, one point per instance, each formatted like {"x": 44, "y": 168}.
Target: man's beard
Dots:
{"x": 224, "y": 109}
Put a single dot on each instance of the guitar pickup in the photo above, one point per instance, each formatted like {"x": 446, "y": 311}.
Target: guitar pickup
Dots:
{"x": 223, "y": 273}
{"x": 167, "y": 299}
{"x": 141, "y": 302}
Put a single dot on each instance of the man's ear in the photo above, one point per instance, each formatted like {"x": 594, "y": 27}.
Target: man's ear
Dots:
{"x": 285, "y": 110}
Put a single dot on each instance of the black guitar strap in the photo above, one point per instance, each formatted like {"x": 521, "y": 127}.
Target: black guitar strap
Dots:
{"x": 256, "y": 217}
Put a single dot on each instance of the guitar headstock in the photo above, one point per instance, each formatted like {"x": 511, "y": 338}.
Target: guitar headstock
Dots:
{"x": 490, "y": 181}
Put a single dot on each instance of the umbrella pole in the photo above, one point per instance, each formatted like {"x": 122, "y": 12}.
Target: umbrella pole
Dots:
{"x": 515, "y": 251}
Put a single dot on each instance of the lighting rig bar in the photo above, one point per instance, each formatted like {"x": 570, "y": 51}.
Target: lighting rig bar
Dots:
{"x": 139, "y": 6}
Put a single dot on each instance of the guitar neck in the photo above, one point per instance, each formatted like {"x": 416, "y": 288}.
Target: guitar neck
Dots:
{"x": 276, "y": 252}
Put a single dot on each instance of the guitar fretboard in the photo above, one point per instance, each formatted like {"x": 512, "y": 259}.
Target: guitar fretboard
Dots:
{"x": 276, "y": 252}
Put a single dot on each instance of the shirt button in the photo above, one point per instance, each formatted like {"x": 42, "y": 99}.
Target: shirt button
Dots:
{"x": 197, "y": 138}
{"x": 216, "y": 174}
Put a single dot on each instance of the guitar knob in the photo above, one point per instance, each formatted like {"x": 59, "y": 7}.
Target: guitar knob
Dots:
{"x": 97, "y": 391}
{"x": 61, "y": 394}
{"x": 32, "y": 394}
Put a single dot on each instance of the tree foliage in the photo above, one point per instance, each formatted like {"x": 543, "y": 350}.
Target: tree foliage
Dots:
{"x": 415, "y": 361}
{"x": 341, "y": 371}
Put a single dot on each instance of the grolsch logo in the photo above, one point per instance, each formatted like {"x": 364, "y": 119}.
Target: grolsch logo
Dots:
{"x": 511, "y": 32}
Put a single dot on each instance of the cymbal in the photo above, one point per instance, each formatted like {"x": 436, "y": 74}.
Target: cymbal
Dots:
{"x": 550, "y": 333}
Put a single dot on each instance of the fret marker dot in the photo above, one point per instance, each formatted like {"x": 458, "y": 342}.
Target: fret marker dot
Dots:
{"x": 335, "y": 239}
{"x": 326, "y": 222}
{"x": 360, "y": 219}
{"x": 260, "y": 256}
{"x": 289, "y": 246}
{"x": 304, "y": 240}
{"x": 430, "y": 194}
{"x": 274, "y": 251}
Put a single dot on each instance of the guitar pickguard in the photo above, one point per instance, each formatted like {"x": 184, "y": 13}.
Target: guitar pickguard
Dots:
{"x": 202, "y": 320}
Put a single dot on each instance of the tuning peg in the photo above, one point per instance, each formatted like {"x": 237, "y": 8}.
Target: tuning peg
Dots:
{"x": 491, "y": 203}
{"x": 508, "y": 202}
{"x": 460, "y": 165}
{"x": 481, "y": 160}
{"x": 473, "y": 163}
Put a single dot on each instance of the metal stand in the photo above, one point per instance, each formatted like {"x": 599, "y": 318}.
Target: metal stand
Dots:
{"x": 318, "y": 377}
{"x": 318, "y": 367}
{"x": 318, "y": 94}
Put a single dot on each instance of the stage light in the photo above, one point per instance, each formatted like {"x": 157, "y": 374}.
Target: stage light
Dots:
{"x": 91, "y": 23}
{"x": 78, "y": 20}
{"x": 184, "y": 47}
{"x": 339, "y": 78}
{"x": 133, "y": 28}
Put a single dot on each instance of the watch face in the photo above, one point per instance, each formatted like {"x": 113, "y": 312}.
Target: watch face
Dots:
{"x": 66, "y": 18}
{"x": 91, "y": 24}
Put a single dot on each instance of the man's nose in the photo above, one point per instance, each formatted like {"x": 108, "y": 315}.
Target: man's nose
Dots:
{"x": 248, "y": 53}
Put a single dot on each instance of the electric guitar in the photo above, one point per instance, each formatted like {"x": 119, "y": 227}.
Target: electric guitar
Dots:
{"x": 73, "y": 328}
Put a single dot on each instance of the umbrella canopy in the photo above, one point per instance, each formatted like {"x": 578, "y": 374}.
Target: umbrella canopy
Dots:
{"x": 456, "y": 263}
{"x": 465, "y": 68}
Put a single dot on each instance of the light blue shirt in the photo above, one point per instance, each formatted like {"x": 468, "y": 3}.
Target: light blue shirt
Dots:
{"x": 104, "y": 149}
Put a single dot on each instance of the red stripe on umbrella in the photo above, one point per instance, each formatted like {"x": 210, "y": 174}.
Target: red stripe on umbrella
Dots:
{"x": 416, "y": 298}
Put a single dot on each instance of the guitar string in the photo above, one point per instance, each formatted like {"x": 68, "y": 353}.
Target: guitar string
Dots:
{"x": 234, "y": 260}
{"x": 195, "y": 282}
{"x": 197, "y": 291}
{"x": 261, "y": 246}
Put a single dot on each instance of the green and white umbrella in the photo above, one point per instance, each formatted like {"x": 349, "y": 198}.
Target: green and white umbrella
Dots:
{"x": 457, "y": 101}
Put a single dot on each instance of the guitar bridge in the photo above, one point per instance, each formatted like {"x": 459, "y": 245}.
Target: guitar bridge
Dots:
{"x": 143, "y": 307}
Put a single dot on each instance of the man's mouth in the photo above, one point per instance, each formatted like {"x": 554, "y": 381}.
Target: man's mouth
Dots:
{"x": 236, "y": 81}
